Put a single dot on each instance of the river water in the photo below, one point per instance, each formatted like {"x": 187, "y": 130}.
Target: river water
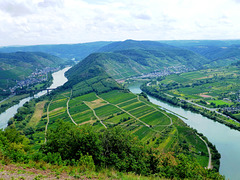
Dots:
{"x": 225, "y": 139}
{"x": 58, "y": 80}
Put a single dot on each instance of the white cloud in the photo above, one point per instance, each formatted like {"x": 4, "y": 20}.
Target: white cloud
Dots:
{"x": 74, "y": 21}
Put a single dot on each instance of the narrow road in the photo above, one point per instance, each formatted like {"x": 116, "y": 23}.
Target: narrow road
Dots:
{"x": 209, "y": 153}
{"x": 68, "y": 109}
{"x": 209, "y": 109}
{"x": 171, "y": 122}
{"x": 124, "y": 111}
{"x": 95, "y": 114}
{"x": 47, "y": 121}
{"x": 6, "y": 98}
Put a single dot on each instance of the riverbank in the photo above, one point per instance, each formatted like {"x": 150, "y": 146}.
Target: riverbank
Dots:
{"x": 16, "y": 98}
{"x": 10, "y": 109}
{"x": 216, "y": 116}
{"x": 222, "y": 137}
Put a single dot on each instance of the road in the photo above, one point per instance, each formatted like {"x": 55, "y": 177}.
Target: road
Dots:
{"x": 47, "y": 121}
{"x": 209, "y": 109}
{"x": 68, "y": 110}
{"x": 209, "y": 153}
{"x": 6, "y": 98}
{"x": 95, "y": 114}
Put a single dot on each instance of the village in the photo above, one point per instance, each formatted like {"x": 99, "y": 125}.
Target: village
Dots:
{"x": 39, "y": 76}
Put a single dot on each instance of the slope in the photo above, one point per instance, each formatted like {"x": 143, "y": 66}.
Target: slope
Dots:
{"x": 68, "y": 51}
{"x": 92, "y": 97}
{"x": 156, "y": 55}
{"x": 19, "y": 65}
{"x": 219, "y": 52}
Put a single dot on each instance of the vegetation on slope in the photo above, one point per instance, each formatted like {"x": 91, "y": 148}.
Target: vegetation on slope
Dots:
{"x": 154, "y": 53}
{"x": 66, "y": 51}
{"x": 92, "y": 122}
{"x": 160, "y": 147}
{"x": 219, "y": 52}
{"x": 209, "y": 92}
{"x": 19, "y": 65}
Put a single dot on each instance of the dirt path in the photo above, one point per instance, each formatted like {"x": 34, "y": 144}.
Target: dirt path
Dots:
{"x": 124, "y": 111}
{"x": 95, "y": 114}
{"x": 209, "y": 153}
{"x": 47, "y": 121}
{"x": 209, "y": 109}
{"x": 171, "y": 121}
{"x": 68, "y": 110}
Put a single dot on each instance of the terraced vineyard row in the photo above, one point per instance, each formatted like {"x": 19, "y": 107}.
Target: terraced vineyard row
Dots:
{"x": 133, "y": 113}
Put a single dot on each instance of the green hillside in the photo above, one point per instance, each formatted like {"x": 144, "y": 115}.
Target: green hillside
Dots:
{"x": 155, "y": 53}
{"x": 216, "y": 89}
{"x": 92, "y": 122}
{"x": 219, "y": 52}
{"x": 66, "y": 51}
{"x": 131, "y": 58}
{"x": 19, "y": 65}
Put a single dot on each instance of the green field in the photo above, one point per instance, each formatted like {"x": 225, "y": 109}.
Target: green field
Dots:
{"x": 119, "y": 108}
{"x": 213, "y": 88}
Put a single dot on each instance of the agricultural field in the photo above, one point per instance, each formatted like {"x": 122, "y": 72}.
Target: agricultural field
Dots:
{"x": 217, "y": 88}
{"x": 119, "y": 108}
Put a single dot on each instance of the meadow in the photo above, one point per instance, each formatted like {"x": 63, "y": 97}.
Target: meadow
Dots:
{"x": 116, "y": 108}
{"x": 212, "y": 88}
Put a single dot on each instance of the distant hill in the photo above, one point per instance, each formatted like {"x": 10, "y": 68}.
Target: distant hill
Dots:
{"x": 17, "y": 66}
{"x": 162, "y": 53}
{"x": 90, "y": 75}
{"x": 121, "y": 60}
{"x": 132, "y": 44}
{"x": 68, "y": 51}
{"x": 219, "y": 52}
{"x": 131, "y": 58}
{"x": 196, "y": 43}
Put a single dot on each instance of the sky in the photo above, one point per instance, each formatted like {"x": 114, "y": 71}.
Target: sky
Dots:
{"x": 32, "y": 22}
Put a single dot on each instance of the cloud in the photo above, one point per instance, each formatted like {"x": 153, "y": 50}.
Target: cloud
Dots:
{"x": 15, "y": 8}
{"x": 143, "y": 16}
{"x": 51, "y": 3}
{"x": 73, "y": 21}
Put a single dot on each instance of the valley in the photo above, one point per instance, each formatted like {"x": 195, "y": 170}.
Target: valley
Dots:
{"x": 92, "y": 121}
{"x": 216, "y": 90}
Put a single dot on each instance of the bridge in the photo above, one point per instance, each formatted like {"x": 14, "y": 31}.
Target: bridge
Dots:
{"x": 34, "y": 91}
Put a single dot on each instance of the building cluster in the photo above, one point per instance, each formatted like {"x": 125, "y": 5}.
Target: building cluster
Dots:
{"x": 167, "y": 71}
{"x": 40, "y": 75}
{"x": 231, "y": 109}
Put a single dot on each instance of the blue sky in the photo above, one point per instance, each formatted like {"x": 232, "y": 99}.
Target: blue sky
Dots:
{"x": 28, "y": 22}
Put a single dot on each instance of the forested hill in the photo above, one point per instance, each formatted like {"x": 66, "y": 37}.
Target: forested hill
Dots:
{"x": 132, "y": 44}
{"x": 19, "y": 65}
{"x": 132, "y": 58}
{"x": 219, "y": 52}
{"x": 155, "y": 53}
{"x": 219, "y": 56}
{"x": 68, "y": 51}
{"x": 89, "y": 75}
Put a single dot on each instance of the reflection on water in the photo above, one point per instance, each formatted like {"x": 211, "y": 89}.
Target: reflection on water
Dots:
{"x": 58, "y": 80}
{"x": 225, "y": 139}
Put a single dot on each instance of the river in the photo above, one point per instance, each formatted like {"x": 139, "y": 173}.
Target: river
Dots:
{"x": 58, "y": 80}
{"x": 224, "y": 138}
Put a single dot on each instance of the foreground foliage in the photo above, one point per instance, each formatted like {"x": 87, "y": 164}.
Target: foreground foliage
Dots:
{"x": 112, "y": 148}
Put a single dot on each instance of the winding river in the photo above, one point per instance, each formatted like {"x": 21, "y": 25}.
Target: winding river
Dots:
{"x": 225, "y": 139}
{"x": 58, "y": 80}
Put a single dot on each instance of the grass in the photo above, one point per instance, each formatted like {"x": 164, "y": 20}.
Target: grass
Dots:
{"x": 38, "y": 113}
{"x": 107, "y": 110}
{"x": 220, "y": 102}
{"x": 15, "y": 98}
{"x": 160, "y": 134}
